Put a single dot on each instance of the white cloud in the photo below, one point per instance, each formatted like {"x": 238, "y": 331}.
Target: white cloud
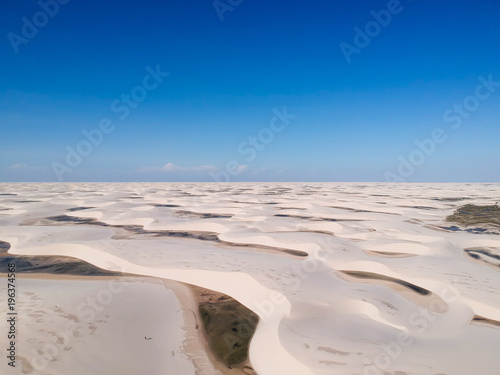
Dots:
{"x": 19, "y": 166}
{"x": 171, "y": 167}
{"x": 242, "y": 168}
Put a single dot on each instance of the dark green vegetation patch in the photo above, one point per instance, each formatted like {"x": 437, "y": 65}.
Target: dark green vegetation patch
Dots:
{"x": 471, "y": 214}
{"x": 229, "y": 327}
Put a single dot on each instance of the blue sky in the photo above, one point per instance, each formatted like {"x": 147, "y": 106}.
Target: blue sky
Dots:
{"x": 271, "y": 71}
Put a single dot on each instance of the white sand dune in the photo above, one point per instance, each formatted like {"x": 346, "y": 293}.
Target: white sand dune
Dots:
{"x": 62, "y": 332}
{"x": 386, "y": 288}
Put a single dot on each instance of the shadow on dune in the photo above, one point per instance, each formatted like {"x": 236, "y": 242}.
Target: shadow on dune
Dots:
{"x": 136, "y": 230}
{"x": 49, "y": 264}
{"x": 376, "y": 276}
